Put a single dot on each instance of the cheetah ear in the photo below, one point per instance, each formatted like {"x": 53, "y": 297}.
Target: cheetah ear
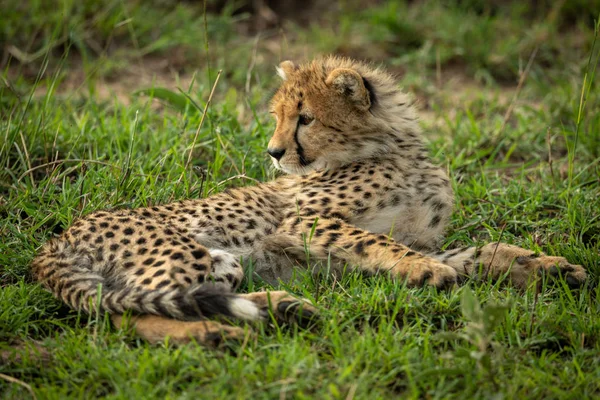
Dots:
{"x": 285, "y": 69}
{"x": 349, "y": 83}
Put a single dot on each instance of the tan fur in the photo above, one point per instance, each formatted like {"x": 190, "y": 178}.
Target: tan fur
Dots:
{"x": 361, "y": 192}
{"x": 155, "y": 329}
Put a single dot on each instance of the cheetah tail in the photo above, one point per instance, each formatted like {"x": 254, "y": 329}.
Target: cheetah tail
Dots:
{"x": 82, "y": 283}
{"x": 86, "y": 291}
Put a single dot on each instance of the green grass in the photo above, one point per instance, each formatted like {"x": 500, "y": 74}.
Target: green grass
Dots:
{"x": 530, "y": 177}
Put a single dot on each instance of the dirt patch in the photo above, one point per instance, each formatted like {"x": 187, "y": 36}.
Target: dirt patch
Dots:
{"x": 120, "y": 87}
{"x": 454, "y": 91}
{"x": 25, "y": 350}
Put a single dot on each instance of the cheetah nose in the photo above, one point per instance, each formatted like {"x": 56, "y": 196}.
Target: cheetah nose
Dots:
{"x": 276, "y": 153}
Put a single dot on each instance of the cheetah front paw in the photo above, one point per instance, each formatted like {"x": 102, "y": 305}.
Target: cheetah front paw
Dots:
{"x": 554, "y": 267}
{"x": 426, "y": 271}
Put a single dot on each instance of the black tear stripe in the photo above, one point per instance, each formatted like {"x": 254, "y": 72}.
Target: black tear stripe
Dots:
{"x": 371, "y": 92}
{"x": 299, "y": 148}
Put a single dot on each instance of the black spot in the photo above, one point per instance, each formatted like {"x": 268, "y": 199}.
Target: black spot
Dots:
{"x": 359, "y": 248}
{"x": 149, "y": 261}
{"x": 309, "y": 211}
{"x": 435, "y": 221}
{"x": 147, "y": 281}
{"x": 176, "y": 256}
{"x": 142, "y": 251}
{"x": 199, "y": 253}
{"x": 128, "y": 231}
{"x": 163, "y": 284}
{"x": 333, "y": 237}
{"x": 109, "y": 234}
{"x": 103, "y": 224}
{"x": 114, "y": 247}
{"x": 159, "y": 263}
{"x": 437, "y": 205}
{"x": 334, "y": 226}
{"x": 158, "y": 273}
{"x": 159, "y": 242}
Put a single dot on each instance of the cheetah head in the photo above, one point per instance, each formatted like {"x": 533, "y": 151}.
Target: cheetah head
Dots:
{"x": 332, "y": 112}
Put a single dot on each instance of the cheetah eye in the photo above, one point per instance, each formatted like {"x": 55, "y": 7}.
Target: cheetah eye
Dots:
{"x": 305, "y": 119}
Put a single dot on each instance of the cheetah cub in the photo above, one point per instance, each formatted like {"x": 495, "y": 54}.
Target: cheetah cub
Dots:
{"x": 360, "y": 192}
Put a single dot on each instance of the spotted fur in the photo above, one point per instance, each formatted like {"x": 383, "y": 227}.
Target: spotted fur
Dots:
{"x": 360, "y": 192}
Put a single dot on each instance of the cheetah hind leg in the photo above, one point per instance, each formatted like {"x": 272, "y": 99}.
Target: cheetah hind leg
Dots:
{"x": 156, "y": 329}
{"x": 281, "y": 305}
{"x": 226, "y": 273}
